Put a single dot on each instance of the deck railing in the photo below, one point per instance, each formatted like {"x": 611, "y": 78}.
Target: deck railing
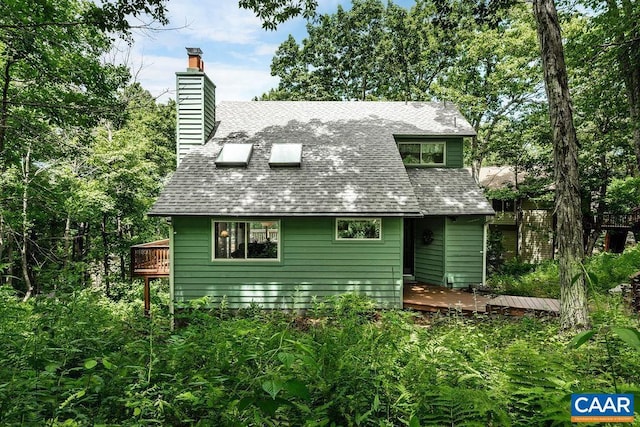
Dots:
{"x": 621, "y": 221}
{"x": 150, "y": 259}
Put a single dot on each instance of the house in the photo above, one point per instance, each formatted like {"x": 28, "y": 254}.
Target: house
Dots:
{"x": 275, "y": 203}
{"x": 526, "y": 224}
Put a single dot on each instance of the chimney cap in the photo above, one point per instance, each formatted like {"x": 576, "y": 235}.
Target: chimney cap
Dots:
{"x": 194, "y": 51}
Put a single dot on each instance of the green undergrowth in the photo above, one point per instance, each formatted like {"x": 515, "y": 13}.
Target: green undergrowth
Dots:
{"x": 82, "y": 359}
{"x": 606, "y": 270}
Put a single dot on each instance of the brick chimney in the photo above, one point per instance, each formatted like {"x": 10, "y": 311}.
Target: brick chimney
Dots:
{"x": 195, "y": 99}
{"x": 195, "y": 59}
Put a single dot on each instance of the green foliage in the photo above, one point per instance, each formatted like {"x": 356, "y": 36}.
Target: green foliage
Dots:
{"x": 275, "y": 12}
{"x": 623, "y": 195}
{"x": 495, "y": 250}
{"x": 78, "y": 358}
{"x": 81, "y": 153}
{"x": 517, "y": 278}
{"x": 604, "y": 270}
{"x": 607, "y": 270}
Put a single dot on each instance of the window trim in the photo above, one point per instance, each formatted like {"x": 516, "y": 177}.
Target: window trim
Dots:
{"x": 247, "y": 230}
{"x": 421, "y": 143}
{"x": 357, "y": 239}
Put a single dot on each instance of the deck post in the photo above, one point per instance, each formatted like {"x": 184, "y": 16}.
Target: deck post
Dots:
{"x": 147, "y": 296}
{"x": 151, "y": 261}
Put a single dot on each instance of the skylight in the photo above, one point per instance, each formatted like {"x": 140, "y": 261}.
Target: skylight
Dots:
{"x": 234, "y": 155}
{"x": 286, "y": 155}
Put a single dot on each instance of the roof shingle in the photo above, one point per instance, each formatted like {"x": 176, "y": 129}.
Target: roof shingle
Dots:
{"x": 448, "y": 192}
{"x": 350, "y": 162}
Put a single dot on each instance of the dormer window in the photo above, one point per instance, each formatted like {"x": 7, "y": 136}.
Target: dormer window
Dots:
{"x": 234, "y": 155}
{"x": 431, "y": 153}
{"x": 286, "y": 155}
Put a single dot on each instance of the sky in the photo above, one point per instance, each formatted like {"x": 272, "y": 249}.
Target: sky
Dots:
{"x": 236, "y": 50}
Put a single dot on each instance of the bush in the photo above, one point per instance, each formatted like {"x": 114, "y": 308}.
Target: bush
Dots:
{"x": 82, "y": 359}
{"x": 540, "y": 282}
{"x": 605, "y": 271}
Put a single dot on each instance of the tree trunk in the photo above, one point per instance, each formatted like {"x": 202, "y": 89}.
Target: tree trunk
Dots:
{"x": 123, "y": 270}
{"x": 573, "y": 292}
{"x": 4, "y": 115}
{"x": 596, "y": 229}
{"x": 105, "y": 256}
{"x": 631, "y": 76}
{"x": 84, "y": 245}
{"x": 3, "y": 247}
{"x": 4, "y": 110}
{"x": 24, "y": 250}
{"x": 476, "y": 160}
{"x": 517, "y": 213}
{"x": 67, "y": 242}
{"x": 628, "y": 41}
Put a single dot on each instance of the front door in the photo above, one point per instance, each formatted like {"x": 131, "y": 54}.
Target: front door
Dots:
{"x": 409, "y": 252}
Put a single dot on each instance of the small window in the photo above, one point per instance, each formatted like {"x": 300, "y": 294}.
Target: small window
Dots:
{"x": 422, "y": 153}
{"x": 358, "y": 228}
{"x": 250, "y": 240}
{"x": 508, "y": 205}
{"x": 286, "y": 155}
{"x": 234, "y": 155}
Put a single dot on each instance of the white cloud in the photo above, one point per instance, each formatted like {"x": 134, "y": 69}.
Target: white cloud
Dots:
{"x": 239, "y": 84}
{"x": 237, "y": 51}
{"x": 157, "y": 74}
{"x": 220, "y": 21}
{"x": 233, "y": 82}
{"x": 266, "y": 49}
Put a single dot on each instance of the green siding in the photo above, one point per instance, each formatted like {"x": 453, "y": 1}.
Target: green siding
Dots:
{"x": 195, "y": 101}
{"x": 429, "y": 259}
{"x": 209, "y": 107}
{"x": 464, "y": 250}
{"x": 454, "y": 153}
{"x": 312, "y": 263}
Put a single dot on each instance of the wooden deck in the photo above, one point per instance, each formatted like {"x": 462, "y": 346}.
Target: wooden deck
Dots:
{"x": 150, "y": 261}
{"x": 519, "y": 306}
{"x": 432, "y": 298}
{"x": 423, "y": 297}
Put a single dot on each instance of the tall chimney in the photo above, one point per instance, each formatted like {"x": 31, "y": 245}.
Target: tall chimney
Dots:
{"x": 195, "y": 99}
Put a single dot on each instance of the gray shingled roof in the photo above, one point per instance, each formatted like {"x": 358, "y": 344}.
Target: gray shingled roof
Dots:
{"x": 350, "y": 163}
{"x": 448, "y": 192}
{"x": 431, "y": 118}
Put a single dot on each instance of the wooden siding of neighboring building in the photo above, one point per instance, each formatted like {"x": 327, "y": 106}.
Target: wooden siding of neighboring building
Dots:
{"x": 504, "y": 218}
{"x": 536, "y": 235}
{"x": 312, "y": 263}
{"x": 429, "y": 258}
{"x": 196, "y": 110}
{"x": 464, "y": 250}
{"x": 533, "y": 242}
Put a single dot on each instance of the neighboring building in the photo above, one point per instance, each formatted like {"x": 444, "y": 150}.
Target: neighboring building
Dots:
{"x": 277, "y": 202}
{"x": 526, "y": 224}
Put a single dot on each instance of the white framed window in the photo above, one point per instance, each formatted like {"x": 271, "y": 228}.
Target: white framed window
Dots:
{"x": 433, "y": 153}
{"x": 358, "y": 229}
{"x": 246, "y": 240}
